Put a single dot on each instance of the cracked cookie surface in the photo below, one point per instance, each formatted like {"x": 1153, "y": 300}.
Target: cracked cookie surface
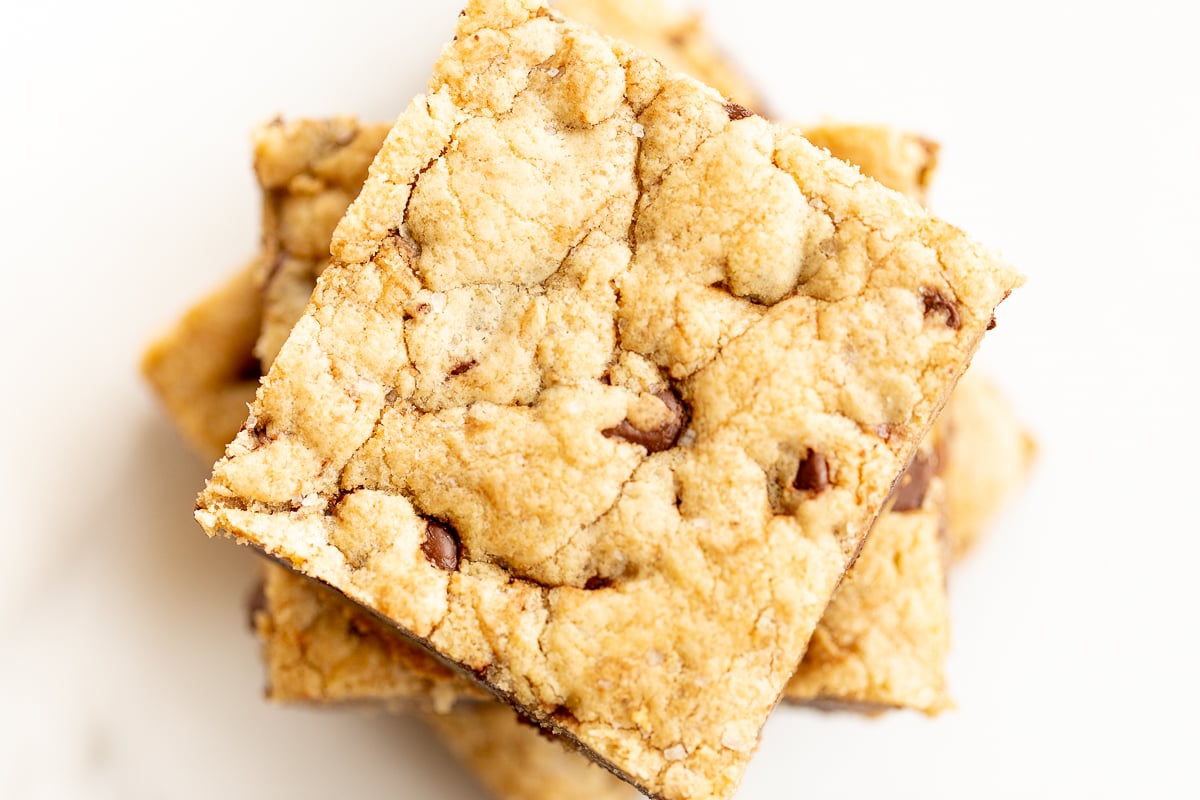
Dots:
{"x": 713, "y": 534}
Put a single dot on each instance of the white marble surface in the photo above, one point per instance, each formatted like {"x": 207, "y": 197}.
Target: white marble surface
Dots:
{"x": 1070, "y": 133}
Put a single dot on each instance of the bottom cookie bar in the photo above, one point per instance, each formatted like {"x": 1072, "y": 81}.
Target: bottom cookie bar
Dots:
{"x": 319, "y": 648}
{"x": 517, "y": 760}
{"x": 987, "y": 457}
{"x": 883, "y": 641}
{"x": 204, "y": 370}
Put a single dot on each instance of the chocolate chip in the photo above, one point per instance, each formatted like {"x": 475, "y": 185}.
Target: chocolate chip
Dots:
{"x": 737, "y": 112}
{"x": 250, "y": 370}
{"x": 813, "y": 473}
{"x": 596, "y": 582}
{"x": 459, "y": 369}
{"x": 991, "y": 326}
{"x": 657, "y": 439}
{"x": 909, "y": 492}
{"x": 937, "y": 303}
{"x": 441, "y": 545}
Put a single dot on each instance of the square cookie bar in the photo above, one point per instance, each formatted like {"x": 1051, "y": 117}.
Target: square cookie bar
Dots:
{"x": 332, "y": 651}
{"x": 604, "y": 368}
{"x": 676, "y": 37}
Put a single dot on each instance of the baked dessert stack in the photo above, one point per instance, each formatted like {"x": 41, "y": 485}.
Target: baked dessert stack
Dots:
{"x": 586, "y": 402}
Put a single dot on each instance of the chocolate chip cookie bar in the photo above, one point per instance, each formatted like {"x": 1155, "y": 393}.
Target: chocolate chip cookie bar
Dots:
{"x": 605, "y": 383}
{"x": 876, "y": 653}
{"x": 309, "y": 172}
{"x": 203, "y": 370}
{"x": 898, "y": 159}
{"x": 677, "y": 38}
{"x": 317, "y": 647}
{"x": 517, "y": 760}
{"x": 987, "y": 456}
{"x": 883, "y": 641}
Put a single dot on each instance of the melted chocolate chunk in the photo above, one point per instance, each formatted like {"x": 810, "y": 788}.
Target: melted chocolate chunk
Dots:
{"x": 909, "y": 492}
{"x": 938, "y": 303}
{"x": 657, "y": 439}
{"x": 441, "y": 545}
{"x": 596, "y": 582}
{"x": 459, "y": 369}
{"x": 813, "y": 473}
{"x": 991, "y": 326}
{"x": 737, "y": 112}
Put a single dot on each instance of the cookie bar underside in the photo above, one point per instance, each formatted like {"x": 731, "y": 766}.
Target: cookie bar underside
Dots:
{"x": 329, "y": 456}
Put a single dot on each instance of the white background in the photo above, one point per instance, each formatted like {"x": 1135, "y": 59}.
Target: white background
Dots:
{"x": 1070, "y": 135}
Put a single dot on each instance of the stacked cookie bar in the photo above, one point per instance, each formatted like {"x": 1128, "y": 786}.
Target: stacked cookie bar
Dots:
{"x": 603, "y": 383}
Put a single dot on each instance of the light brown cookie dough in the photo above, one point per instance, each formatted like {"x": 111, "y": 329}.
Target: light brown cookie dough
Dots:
{"x": 611, "y": 378}
{"x": 898, "y": 159}
{"x": 203, "y": 370}
{"x": 987, "y": 457}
